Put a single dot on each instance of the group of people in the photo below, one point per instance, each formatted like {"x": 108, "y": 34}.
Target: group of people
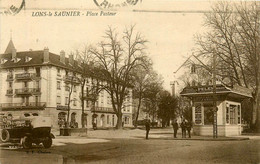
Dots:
{"x": 185, "y": 126}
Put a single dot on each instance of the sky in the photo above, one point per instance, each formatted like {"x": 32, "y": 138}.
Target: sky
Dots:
{"x": 170, "y": 34}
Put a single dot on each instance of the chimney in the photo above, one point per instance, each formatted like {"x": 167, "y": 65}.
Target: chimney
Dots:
{"x": 173, "y": 88}
{"x": 62, "y": 56}
{"x": 46, "y": 58}
{"x": 13, "y": 54}
{"x": 71, "y": 60}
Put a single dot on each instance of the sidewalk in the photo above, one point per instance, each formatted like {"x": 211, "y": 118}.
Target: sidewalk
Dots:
{"x": 165, "y": 134}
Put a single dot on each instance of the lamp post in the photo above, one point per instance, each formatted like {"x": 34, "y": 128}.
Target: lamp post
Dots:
{"x": 215, "y": 126}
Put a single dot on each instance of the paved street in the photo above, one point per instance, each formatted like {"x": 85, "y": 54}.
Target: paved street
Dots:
{"x": 129, "y": 146}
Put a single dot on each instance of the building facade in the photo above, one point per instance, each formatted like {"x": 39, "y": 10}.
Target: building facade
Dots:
{"x": 38, "y": 83}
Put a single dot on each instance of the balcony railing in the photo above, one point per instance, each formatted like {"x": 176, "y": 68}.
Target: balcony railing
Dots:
{"x": 9, "y": 92}
{"x": 20, "y": 106}
{"x": 26, "y": 91}
{"x": 103, "y": 110}
{"x": 71, "y": 79}
{"x": 10, "y": 78}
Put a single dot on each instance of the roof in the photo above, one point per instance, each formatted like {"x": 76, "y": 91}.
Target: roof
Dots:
{"x": 10, "y": 47}
{"x": 37, "y": 59}
{"x": 206, "y": 90}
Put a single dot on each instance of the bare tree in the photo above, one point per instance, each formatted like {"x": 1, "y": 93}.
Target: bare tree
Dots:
{"x": 142, "y": 78}
{"x": 234, "y": 38}
{"x": 71, "y": 81}
{"x": 118, "y": 56}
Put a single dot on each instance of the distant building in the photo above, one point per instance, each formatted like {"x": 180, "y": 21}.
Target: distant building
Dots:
{"x": 37, "y": 83}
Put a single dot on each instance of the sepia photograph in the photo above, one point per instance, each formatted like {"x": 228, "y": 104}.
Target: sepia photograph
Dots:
{"x": 129, "y": 81}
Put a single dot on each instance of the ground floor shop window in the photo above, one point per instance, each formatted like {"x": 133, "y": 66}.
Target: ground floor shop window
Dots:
{"x": 61, "y": 119}
{"x": 108, "y": 119}
{"x": 127, "y": 120}
{"x": 73, "y": 122}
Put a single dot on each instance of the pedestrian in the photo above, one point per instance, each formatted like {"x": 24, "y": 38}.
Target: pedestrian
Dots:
{"x": 188, "y": 126}
{"x": 175, "y": 128}
{"x": 183, "y": 129}
{"x": 147, "y": 127}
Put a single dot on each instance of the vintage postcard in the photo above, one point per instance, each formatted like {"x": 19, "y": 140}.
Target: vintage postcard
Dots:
{"x": 129, "y": 81}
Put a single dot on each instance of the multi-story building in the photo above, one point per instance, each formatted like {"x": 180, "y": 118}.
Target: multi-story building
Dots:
{"x": 38, "y": 82}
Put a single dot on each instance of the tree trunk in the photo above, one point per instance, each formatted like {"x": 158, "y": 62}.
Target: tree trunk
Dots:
{"x": 138, "y": 110}
{"x": 119, "y": 120}
{"x": 82, "y": 104}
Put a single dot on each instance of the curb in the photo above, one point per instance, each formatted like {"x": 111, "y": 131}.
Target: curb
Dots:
{"x": 204, "y": 139}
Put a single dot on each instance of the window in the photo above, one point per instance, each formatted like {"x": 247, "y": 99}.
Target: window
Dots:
{"x": 126, "y": 120}
{"x": 75, "y": 88}
{"x": 58, "y": 100}
{"x": 38, "y": 72}
{"x": 108, "y": 119}
{"x": 208, "y": 115}
{"x": 37, "y": 84}
{"x": 75, "y": 102}
{"x": 25, "y": 84}
{"x": 238, "y": 114}
{"x": 232, "y": 112}
{"x": 58, "y": 72}
{"x": 58, "y": 85}
{"x": 87, "y": 103}
{"x": 66, "y": 100}
{"x": 227, "y": 115}
{"x": 36, "y": 100}
{"x": 10, "y": 84}
{"x": 67, "y": 88}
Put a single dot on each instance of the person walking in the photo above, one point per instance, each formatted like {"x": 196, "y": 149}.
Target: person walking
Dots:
{"x": 147, "y": 128}
{"x": 175, "y": 128}
{"x": 188, "y": 126}
{"x": 183, "y": 129}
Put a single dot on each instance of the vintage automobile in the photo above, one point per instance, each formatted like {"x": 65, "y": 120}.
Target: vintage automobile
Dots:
{"x": 28, "y": 130}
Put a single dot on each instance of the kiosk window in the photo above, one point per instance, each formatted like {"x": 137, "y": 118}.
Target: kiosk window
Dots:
{"x": 232, "y": 111}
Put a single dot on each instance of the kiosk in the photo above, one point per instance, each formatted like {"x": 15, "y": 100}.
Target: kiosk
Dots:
{"x": 228, "y": 108}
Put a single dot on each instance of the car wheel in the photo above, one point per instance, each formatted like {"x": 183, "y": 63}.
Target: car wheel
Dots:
{"x": 26, "y": 142}
{"x": 5, "y": 135}
{"x": 47, "y": 143}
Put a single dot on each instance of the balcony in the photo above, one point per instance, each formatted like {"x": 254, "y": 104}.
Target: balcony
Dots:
{"x": 10, "y": 77}
{"x": 28, "y": 91}
{"x": 23, "y": 76}
{"x": 9, "y": 92}
{"x": 22, "y": 106}
{"x": 71, "y": 79}
{"x": 103, "y": 110}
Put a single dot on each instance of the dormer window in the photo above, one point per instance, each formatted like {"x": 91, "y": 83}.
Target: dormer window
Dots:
{"x": 2, "y": 61}
{"x": 16, "y": 60}
{"x": 27, "y": 58}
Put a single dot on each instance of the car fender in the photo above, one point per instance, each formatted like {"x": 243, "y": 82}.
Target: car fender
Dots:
{"x": 52, "y": 136}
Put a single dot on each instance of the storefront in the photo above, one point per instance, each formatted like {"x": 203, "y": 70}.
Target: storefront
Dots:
{"x": 228, "y": 109}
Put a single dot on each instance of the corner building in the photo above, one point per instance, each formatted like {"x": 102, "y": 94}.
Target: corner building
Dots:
{"x": 36, "y": 83}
